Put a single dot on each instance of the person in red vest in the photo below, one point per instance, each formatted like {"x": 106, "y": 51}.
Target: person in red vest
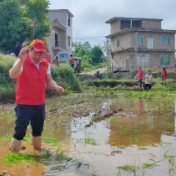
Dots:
{"x": 164, "y": 75}
{"x": 140, "y": 76}
{"x": 47, "y": 57}
{"x": 31, "y": 71}
{"x": 72, "y": 61}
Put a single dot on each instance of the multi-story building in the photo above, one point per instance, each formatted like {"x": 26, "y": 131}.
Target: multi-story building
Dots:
{"x": 155, "y": 47}
{"x": 61, "y": 31}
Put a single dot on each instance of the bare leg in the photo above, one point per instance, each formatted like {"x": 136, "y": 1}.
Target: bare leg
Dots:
{"x": 36, "y": 142}
{"x": 15, "y": 145}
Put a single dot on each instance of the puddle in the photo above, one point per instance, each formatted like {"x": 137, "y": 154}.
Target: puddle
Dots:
{"x": 100, "y": 136}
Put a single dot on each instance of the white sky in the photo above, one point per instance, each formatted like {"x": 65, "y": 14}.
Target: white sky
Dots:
{"x": 90, "y": 15}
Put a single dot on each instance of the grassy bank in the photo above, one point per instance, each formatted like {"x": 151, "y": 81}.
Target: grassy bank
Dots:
{"x": 128, "y": 84}
{"x": 63, "y": 75}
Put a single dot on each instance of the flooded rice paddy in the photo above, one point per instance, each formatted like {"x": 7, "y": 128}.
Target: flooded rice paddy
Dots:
{"x": 95, "y": 135}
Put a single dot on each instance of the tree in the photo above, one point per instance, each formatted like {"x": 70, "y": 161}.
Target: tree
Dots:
{"x": 87, "y": 45}
{"x": 104, "y": 47}
{"x": 96, "y": 55}
{"x": 15, "y": 15}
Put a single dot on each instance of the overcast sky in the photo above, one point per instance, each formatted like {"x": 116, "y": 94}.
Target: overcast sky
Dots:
{"x": 90, "y": 15}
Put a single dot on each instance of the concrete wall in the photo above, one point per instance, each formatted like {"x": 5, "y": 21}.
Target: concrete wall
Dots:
{"x": 123, "y": 60}
{"x": 69, "y": 33}
{"x": 125, "y": 42}
{"x": 155, "y": 60}
{"x": 115, "y": 27}
{"x": 156, "y": 40}
{"x": 128, "y": 59}
{"x": 62, "y": 17}
{"x": 147, "y": 24}
{"x": 51, "y": 42}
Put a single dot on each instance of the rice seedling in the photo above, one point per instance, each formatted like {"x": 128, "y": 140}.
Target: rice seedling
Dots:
{"x": 143, "y": 148}
{"x": 125, "y": 131}
{"x": 129, "y": 168}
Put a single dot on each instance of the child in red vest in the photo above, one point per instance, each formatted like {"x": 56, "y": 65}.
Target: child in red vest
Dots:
{"x": 31, "y": 71}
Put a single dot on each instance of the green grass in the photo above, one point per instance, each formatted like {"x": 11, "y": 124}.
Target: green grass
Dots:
{"x": 14, "y": 158}
{"x": 45, "y": 139}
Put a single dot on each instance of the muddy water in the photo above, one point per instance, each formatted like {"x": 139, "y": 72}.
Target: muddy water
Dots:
{"x": 101, "y": 135}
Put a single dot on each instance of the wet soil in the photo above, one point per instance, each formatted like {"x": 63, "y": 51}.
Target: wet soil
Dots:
{"x": 98, "y": 135}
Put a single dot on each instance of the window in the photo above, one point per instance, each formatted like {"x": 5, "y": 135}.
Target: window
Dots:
{"x": 68, "y": 41}
{"x": 164, "y": 59}
{"x": 165, "y": 40}
{"x": 69, "y": 20}
{"x": 139, "y": 39}
{"x": 136, "y": 23}
{"x": 125, "y": 24}
{"x": 118, "y": 42}
{"x": 131, "y": 24}
{"x": 63, "y": 55}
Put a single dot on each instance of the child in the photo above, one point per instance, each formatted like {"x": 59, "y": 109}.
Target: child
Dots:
{"x": 148, "y": 80}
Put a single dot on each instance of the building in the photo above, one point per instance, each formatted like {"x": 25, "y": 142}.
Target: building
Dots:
{"x": 61, "y": 31}
{"x": 155, "y": 46}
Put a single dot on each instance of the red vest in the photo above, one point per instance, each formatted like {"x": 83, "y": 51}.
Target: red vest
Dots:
{"x": 140, "y": 75}
{"x": 30, "y": 87}
{"x": 72, "y": 61}
{"x": 164, "y": 74}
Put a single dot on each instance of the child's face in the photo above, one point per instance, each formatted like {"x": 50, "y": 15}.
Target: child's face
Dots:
{"x": 36, "y": 56}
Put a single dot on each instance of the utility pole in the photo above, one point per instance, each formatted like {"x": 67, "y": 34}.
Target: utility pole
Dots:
{"x": 107, "y": 52}
{"x": 136, "y": 49}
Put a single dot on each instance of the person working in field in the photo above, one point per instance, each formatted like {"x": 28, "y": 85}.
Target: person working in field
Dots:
{"x": 164, "y": 76}
{"x": 140, "y": 76}
{"x": 31, "y": 72}
{"x": 148, "y": 80}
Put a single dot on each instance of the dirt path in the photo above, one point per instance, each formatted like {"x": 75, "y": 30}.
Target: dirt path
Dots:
{"x": 101, "y": 70}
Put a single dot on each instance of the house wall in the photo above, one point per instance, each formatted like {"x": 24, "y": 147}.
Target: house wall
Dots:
{"x": 151, "y": 24}
{"x": 125, "y": 42}
{"x": 156, "y": 40}
{"x": 62, "y": 17}
{"x": 51, "y": 42}
{"x": 115, "y": 27}
{"x": 123, "y": 60}
{"x": 126, "y": 60}
{"x": 155, "y": 61}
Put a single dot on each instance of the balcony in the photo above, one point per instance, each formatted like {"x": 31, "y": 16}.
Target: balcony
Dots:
{"x": 56, "y": 43}
{"x": 58, "y": 46}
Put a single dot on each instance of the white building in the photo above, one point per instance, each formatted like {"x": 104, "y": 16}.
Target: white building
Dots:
{"x": 61, "y": 31}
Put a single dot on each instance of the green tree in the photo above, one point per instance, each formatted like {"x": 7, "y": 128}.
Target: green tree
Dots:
{"x": 15, "y": 15}
{"x": 87, "y": 45}
{"x": 96, "y": 55}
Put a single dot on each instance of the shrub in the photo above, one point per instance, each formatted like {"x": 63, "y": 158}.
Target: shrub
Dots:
{"x": 63, "y": 75}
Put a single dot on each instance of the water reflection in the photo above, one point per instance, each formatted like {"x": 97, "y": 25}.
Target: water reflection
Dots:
{"x": 134, "y": 124}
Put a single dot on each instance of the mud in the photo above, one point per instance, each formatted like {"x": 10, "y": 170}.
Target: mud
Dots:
{"x": 98, "y": 135}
